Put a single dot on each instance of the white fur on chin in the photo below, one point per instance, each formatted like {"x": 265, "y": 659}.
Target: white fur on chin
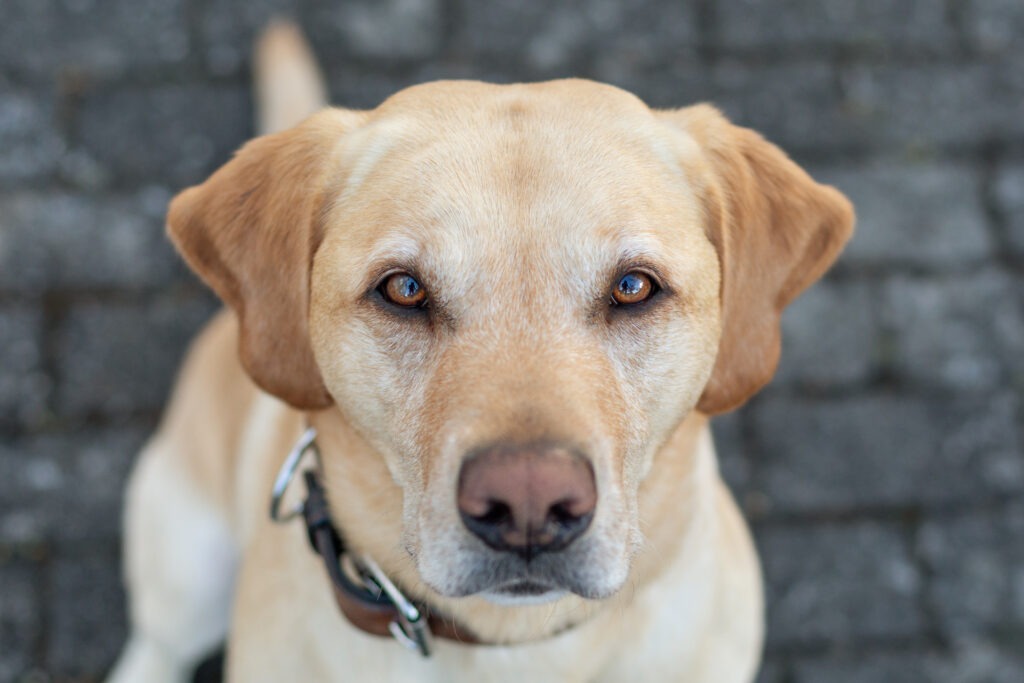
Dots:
{"x": 496, "y": 597}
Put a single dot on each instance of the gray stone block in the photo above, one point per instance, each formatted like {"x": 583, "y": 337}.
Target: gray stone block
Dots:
{"x": 994, "y": 26}
{"x": 66, "y": 487}
{"x": 889, "y": 24}
{"x": 358, "y": 88}
{"x": 79, "y": 170}
{"x": 377, "y": 29}
{"x": 772, "y": 671}
{"x": 24, "y": 385}
{"x": 812, "y": 109}
{"x": 676, "y": 83}
{"x": 980, "y": 660}
{"x": 913, "y": 214}
{"x": 1009, "y": 198}
{"x": 30, "y": 143}
{"x": 976, "y": 662}
{"x": 796, "y": 106}
{"x": 562, "y": 38}
{"x": 86, "y": 614}
{"x": 886, "y": 450}
{"x": 914, "y": 110}
{"x": 870, "y": 668}
{"x": 976, "y": 562}
{"x": 962, "y": 334}
{"x": 20, "y": 616}
{"x": 839, "y": 584}
{"x": 830, "y": 336}
{"x": 733, "y": 460}
{"x": 119, "y": 359}
{"x": 90, "y": 38}
{"x": 164, "y": 134}
{"x": 58, "y": 240}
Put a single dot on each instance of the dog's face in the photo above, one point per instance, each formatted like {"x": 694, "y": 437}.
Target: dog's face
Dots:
{"x": 512, "y": 227}
{"x": 515, "y": 294}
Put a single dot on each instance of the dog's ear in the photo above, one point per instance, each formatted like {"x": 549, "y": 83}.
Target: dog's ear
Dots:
{"x": 250, "y": 232}
{"x": 776, "y": 231}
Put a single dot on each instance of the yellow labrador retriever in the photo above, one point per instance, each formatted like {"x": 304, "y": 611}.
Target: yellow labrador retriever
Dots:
{"x": 508, "y": 312}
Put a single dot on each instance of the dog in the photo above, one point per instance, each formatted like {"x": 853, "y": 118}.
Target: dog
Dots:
{"x": 508, "y": 312}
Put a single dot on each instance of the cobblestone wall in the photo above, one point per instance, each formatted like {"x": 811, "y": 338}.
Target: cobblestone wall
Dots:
{"x": 884, "y": 468}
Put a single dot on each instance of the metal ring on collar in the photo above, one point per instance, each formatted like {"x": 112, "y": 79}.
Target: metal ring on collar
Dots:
{"x": 306, "y": 442}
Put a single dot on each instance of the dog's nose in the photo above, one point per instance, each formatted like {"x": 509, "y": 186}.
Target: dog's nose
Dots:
{"x": 527, "y": 500}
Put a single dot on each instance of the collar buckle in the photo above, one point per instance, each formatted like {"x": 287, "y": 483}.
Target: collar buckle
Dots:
{"x": 410, "y": 628}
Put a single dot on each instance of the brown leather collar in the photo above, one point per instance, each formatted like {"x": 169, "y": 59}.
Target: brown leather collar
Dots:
{"x": 373, "y": 603}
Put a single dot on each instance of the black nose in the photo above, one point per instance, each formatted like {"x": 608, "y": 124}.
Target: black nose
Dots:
{"x": 527, "y": 500}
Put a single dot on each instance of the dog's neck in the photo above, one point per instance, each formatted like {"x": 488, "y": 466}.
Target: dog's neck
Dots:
{"x": 354, "y": 474}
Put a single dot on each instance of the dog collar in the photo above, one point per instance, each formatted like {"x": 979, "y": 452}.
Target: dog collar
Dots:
{"x": 363, "y": 592}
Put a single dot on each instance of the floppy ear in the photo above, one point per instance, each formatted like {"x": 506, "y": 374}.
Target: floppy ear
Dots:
{"x": 250, "y": 232}
{"x": 776, "y": 231}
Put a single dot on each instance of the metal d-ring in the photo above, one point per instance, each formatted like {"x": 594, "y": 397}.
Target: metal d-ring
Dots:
{"x": 306, "y": 442}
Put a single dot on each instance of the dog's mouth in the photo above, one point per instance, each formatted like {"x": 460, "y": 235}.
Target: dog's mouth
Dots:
{"x": 524, "y": 588}
{"x": 523, "y": 592}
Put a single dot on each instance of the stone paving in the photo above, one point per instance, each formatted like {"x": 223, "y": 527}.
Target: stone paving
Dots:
{"x": 883, "y": 470}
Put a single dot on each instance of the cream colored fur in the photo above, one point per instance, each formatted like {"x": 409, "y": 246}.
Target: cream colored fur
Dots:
{"x": 515, "y": 205}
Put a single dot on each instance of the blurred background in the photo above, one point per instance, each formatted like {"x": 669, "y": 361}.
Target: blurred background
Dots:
{"x": 883, "y": 470}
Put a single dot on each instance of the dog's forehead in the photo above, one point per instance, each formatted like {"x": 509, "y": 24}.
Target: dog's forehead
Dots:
{"x": 471, "y": 132}
{"x": 463, "y": 127}
{"x": 565, "y": 176}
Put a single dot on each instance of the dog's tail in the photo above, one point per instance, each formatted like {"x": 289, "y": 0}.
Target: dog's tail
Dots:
{"x": 287, "y": 81}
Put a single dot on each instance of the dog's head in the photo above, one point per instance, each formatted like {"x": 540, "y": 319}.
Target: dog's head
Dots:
{"x": 514, "y": 295}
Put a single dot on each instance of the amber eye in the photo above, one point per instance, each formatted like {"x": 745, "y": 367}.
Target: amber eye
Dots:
{"x": 402, "y": 289}
{"x": 633, "y": 288}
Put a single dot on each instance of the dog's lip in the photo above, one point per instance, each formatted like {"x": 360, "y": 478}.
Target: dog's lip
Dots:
{"x": 524, "y": 588}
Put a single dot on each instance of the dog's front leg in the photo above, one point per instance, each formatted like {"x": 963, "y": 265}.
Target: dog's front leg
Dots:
{"x": 179, "y": 565}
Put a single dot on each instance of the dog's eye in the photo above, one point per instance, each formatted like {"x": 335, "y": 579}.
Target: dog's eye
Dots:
{"x": 632, "y": 288}
{"x": 402, "y": 289}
